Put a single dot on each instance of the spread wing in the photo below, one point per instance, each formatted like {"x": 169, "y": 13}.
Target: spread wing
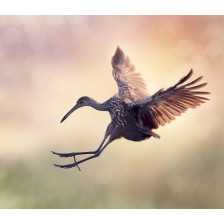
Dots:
{"x": 163, "y": 106}
{"x": 130, "y": 84}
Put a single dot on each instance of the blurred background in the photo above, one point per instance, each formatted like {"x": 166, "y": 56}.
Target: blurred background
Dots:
{"x": 48, "y": 62}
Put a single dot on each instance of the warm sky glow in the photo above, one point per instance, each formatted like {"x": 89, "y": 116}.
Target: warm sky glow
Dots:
{"x": 48, "y": 62}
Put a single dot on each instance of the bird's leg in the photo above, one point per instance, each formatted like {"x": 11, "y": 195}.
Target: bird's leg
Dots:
{"x": 99, "y": 151}
{"x": 108, "y": 132}
{"x": 80, "y": 153}
{"x": 74, "y": 154}
{"x": 113, "y": 136}
{"x": 93, "y": 152}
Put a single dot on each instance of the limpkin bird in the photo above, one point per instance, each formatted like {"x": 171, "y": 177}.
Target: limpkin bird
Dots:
{"x": 134, "y": 113}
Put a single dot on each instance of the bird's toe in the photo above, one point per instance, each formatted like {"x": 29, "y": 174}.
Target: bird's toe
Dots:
{"x": 65, "y": 155}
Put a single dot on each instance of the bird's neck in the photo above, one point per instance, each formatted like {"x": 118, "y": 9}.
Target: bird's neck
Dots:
{"x": 99, "y": 106}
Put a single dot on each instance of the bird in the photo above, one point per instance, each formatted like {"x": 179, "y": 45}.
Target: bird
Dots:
{"x": 134, "y": 112}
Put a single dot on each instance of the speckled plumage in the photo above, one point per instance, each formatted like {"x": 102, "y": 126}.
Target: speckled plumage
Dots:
{"x": 134, "y": 113}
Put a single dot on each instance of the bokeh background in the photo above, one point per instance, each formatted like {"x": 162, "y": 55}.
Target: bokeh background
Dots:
{"x": 48, "y": 62}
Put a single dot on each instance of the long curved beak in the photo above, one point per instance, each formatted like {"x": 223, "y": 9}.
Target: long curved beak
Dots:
{"x": 70, "y": 112}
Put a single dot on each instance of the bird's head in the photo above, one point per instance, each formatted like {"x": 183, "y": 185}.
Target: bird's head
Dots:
{"x": 81, "y": 102}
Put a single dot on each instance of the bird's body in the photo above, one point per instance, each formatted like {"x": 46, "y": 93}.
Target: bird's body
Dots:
{"x": 123, "y": 117}
{"x": 134, "y": 113}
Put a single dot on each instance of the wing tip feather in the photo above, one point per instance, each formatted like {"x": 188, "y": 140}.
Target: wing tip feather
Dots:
{"x": 185, "y": 78}
{"x": 118, "y": 57}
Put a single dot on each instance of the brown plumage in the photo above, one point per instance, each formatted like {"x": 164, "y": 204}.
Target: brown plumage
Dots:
{"x": 163, "y": 106}
{"x": 134, "y": 113}
{"x": 130, "y": 84}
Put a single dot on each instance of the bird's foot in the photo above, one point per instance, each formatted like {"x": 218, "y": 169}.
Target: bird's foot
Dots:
{"x": 65, "y": 155}
{"x": 74, "y": 154}
{"x": 75, "y": 164}
{"x": 67, "y": 166}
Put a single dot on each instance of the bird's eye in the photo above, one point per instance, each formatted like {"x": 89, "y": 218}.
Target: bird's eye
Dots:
{"x": 81, "y": 102}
